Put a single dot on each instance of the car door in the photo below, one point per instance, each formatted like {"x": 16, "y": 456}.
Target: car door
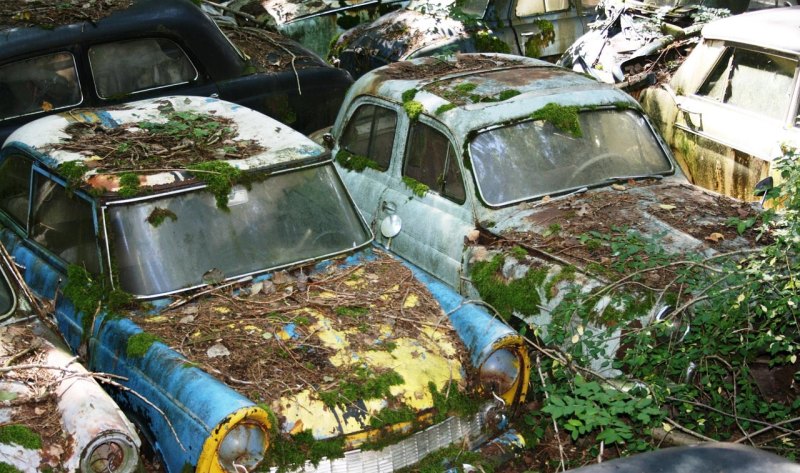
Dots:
{"x": 731, "y": 127}
{"x": 543, "y": 28}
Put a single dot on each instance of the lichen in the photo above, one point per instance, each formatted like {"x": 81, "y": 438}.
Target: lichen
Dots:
{"x": 159, "y": 215}
{"x": 139, "y": 344}
{"x": 417, "y": 188}
{"x": 413, "y": 109}
{"x": 220, "y": 177}
{"x": 506, "y": 296}
{"x": 20, "y": 435}
{"x": 355, "y": 162}
{"x": 565, "y": 118}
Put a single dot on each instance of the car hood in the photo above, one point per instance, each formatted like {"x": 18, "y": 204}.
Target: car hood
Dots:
{"x": 300, "y": 342}
{"x": 680, "y": 217}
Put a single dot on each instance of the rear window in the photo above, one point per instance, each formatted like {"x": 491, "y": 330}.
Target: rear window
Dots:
{"x": 39, "y": 84}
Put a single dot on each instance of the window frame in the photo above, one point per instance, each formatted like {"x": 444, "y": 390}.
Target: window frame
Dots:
{"x": 448, "y": 159}
{"x": 20, "y": 227}
{"x": 76, "y": 70}
{"x": 545, "y": 12}
{"x": 351, "y": 119}
{"x": 178, "y": 44}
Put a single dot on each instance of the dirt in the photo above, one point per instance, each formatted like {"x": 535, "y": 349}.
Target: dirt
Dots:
{"x": 49, "y": 14}
{"x": 131, "y": 148}
{"x": 264, "y": 364}
{"x": 39, "y": 415}
{"x": 269, "y": 52}
{"x": 435, "y": 67}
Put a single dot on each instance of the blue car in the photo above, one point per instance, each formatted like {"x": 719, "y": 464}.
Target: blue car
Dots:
{"x": 211, "y": 259}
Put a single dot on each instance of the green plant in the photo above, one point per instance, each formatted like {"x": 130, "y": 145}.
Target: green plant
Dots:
{"x": 160, "y": 215}
{"x": 364, "y": 384}
{"x": 73, "y": 172}
{"x": 220, "y": 178}
{"x": 419, "y": 189}
{"x": 445, "y": 107}
{"x": 129, "y": 184}
{"x": 355, "y": 162}
{"x": 6, "y": 468}
{"x": 565, "y": 118}
{"x": 413, "y": 109}
{"x": 20, "y": 435}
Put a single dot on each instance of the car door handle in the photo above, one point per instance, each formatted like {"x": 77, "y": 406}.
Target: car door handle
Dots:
{"x": 387, "y": 206}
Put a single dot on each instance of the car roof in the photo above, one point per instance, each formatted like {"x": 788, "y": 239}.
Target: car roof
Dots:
{"x": 282, "y": 147}
{"x": 439, "y": 86}
{"x": 777, "y": 29}
{"x": 143, "y": 17}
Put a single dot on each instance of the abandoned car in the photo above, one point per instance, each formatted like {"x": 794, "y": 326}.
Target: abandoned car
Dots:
{"x": 733, "y": 103}
{"x": 534, "y": 28}
{"x": 507, "y": 177}
{"x": 634, "y": 44}
{"x": 213, "y": 258}
{"x": 312, "y": 24}
{"x": 56, "y": 416}
{"x": 57, "y": 57}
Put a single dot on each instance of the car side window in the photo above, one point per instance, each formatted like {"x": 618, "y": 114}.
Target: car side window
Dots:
{"x": 133, "y": 66}
{"x": 537, "y": 7}
{"x": 751, "y": 80}
{"x": 39, "y": 84}
{"x": 63, "y": 223}
{"x": 431, "y": 160}
{"x": 370, "y": 132}
{"x": 15, "y": 181}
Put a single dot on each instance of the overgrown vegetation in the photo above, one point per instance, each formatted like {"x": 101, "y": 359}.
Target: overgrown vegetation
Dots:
{"x": 565, "y": 118}
{"x": 722, "y": 365}
{"x": 355, "y": 162}
{"x": 160, "y": 215}
{"x": 364, "y": 384}
{"x": 139, "y": 344}
{"x": 220, "y": 177}
{"x": 538, "y": 41}
{"x": 417, "y": 188}
{"x": 20, "y": 435}
{"x": 89, "y": 294}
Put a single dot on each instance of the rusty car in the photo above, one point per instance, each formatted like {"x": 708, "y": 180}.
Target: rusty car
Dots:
{"x": 510, "y": 179}
{"x": 733, "y": 104}
{"x": 54, "y": 415}
{"x": 215, "y": 263}
{"x": 312, "y": 24}
{"x": 55, "y": 58}
{"x": 533, "y": 28}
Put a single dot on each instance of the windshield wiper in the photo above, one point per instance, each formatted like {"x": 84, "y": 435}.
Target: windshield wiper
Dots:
{"x": 633, "y": 177}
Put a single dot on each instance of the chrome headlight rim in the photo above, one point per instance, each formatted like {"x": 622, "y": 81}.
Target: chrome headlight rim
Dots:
{"x": 109, "y": 444}
{"x": 244, "y": 445}
{"x": 501, "y": 372}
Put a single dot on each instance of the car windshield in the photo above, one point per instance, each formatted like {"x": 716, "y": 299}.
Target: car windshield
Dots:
{"x": 183, "y": 240}
{"x": 535, "y": 158}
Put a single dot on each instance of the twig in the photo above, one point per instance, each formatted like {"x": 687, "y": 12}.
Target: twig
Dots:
{"x": 244, "y": 15}
{"x": 689, "y": 431}
{"x": 773, "y": 426}
{"x": 555, "y": 424}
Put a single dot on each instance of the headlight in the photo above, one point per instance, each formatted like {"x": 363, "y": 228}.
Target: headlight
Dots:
{"x": 243, "y": 446}
{"x": 500, "y": 372}
{"x": 113, "y": 453}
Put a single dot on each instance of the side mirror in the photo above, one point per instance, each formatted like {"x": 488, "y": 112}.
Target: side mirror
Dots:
{"x": 328, "y": 141}
{"x": 763, "y": 187}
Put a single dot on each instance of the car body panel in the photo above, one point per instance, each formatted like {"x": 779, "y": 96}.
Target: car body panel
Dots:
{"x": 725, "y": 147}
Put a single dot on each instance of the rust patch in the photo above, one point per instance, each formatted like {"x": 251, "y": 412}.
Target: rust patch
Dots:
{"x": 265, "y": 363}
{"x": 434, "y": 67}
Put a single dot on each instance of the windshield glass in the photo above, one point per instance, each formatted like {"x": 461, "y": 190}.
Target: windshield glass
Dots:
{"x": 534, "y": 158}
{"x": 282, "y": 220}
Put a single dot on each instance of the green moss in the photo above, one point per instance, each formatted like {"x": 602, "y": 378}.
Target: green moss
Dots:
{"x": 565, "y": 118}
{"x": 20, "y": 435}
{"x": 351, "y": 311}
{"x": 444, "y": 108}
{"x": 465, "y": 87}
{"x": 450, "y": 459}
{"x": 538, "y": 41}
{"x": 88, "y": 294}
{"x": 288, "y": 452}
{"x": 159, "y": 215}
{"x": 624, "y": 105}
{"x": 73, "y": 172}
{"x": 519, "y": 252}
{"x": 413, "y": 109}
{"x": 409, "y": 95}
{"x": 485, "y": 42}
{"x": 519, "y": 295}
{"x": 363, "y": 385}
{"x": 129, "y": 184}
{"x": 6, "y": 468}
{"x": 419, "y": 189}
{"x": 507, "y": 94}
{"x": 566, "y": 274}
{"x": 355, "y": 162}
{"x": 451, "y": 401}
{"x": 139, "y": 344}
{"x": 220, "y": 178}
{"x": 392, "y": 416}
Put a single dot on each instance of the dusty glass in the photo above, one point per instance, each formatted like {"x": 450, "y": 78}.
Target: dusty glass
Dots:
{"x": 40, "y": 84}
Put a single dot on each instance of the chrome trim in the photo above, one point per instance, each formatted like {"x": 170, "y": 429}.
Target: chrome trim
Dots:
{"x": 408, "y": 451}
